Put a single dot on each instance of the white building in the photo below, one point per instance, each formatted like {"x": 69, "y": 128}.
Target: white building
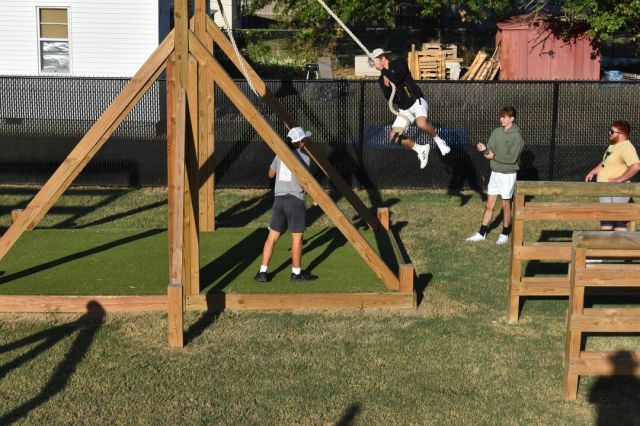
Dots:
{"x": 109, "y": 38}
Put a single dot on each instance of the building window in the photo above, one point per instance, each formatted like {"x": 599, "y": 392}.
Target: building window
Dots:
{"x": 53, "y": 32}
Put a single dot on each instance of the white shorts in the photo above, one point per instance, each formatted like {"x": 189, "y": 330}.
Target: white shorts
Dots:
{"x": 502, "y": 184}
{"x": 418, "y": 109}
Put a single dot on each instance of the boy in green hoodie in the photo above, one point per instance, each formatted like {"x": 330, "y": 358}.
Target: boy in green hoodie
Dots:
{"x": 503, "y": 152}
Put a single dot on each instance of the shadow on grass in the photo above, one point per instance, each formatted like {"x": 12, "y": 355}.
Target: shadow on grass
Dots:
{"x": 76, "y": 256}
{"x": 349, "y": 416}
{"x": 244, "y": 212}
{"x": 617, "y": 399}
{"x": 228, "y": 266}
{"x": 86, "y": 326}
{"x": 122, "y": 215}
{"x": 197, "y": 328}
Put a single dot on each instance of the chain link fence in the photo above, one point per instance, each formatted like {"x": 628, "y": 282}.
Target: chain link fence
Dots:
{"x": 564, "y": 124}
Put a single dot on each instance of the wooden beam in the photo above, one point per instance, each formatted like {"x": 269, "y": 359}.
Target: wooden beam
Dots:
{"x": 406, "y": 278}
{"x": 605, "y": 240}
{"x": 579, "y": 211}
{"x": 181, "y": 28}
{"x": 175, "y": 315}
{"x": 318, "y": 157}
{"x": 383, "y": 217}
{"x": 301, "y": 173}
{"x": 579, "y": 189}
{"x": 89, "y": 145}
{"x": 206, "y": 124}
{"x": 191, "y": 245}
{"x": 60, "y": 304}
{"x": 296, "y": 302}
{"x": 175, "y": 190}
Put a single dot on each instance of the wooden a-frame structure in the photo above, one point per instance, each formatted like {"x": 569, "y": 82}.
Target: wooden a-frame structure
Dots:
{"x": 191, "y": 70}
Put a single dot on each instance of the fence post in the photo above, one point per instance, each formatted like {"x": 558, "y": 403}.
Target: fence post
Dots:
{"x": 554, "y": 127}
{"x": 360, "y": 146}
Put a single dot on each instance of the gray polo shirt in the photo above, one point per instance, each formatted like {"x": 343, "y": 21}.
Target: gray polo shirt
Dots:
{"x": 286, "y": 183}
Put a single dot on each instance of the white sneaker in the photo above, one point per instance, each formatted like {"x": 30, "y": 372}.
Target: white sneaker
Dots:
{"x": 423, "y": 155}
{"x": 443, "y": 147}
{"x": 476, "y": 237}
{"x": 503, "y": 239}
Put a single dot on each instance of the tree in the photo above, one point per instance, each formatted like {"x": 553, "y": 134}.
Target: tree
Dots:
{"x": 602, "y": 18}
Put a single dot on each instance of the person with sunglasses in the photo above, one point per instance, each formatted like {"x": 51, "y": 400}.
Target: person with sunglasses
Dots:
{"x": 619, "y": 163}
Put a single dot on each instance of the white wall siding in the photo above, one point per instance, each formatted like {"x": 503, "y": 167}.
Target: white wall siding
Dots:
{"x": 107, "y": 37}
{"x": 230, "y": 10}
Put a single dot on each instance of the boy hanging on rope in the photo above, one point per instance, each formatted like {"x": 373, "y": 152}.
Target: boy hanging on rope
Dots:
{"x": 410, "y": 102}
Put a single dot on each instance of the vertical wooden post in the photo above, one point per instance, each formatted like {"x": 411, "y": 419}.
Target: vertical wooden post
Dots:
{"x": 574, "y": 338}
{"x": 176, "y": 168}
{"x": 406, "y": 278}
{"x": 175, "y": 315}
{"x": 383, "y": 217}
{"x": 191, "y": 204}
{"x": 515, "y": 268}
{"x": 177, "y": 80}
{"x": 206, "y": 111}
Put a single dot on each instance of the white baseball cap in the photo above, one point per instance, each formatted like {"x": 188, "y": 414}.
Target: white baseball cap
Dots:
{"x": 296, "y": 134}
{"x": 377, "y": 52}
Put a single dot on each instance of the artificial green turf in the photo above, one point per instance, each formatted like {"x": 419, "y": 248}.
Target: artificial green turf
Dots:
{"x": 120, "y": 262}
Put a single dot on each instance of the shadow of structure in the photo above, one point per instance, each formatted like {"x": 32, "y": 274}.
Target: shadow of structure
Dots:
{"x": 617, "y": 398}
{"x": 244, "y": 212}
{"x": 348, "y": 418}
{"x": 86, "y": 327}
{"x": 228, "y": 266}
{"x": 76, "y": 256}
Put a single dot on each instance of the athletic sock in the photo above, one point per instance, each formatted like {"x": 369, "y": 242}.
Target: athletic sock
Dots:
{"x": 483, "y": 230}
{"x": 417, "y": 148}
{"x": 296, "y": 270}
{"x": 263, "y": 268}
{"x": 506, "y": 230}
{"x": 437, "y": 139}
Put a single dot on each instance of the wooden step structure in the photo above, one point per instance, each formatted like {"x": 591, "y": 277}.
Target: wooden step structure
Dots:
{"x": 191, "y": 72}
{"x": 429, "y": 63}
{"x": 527, "y": 209}
{"x": 620, "y": 246}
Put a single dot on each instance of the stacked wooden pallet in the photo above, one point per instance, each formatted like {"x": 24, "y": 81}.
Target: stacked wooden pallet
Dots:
{"x": 483, "y": 67}
{"x": 430, "y": 63}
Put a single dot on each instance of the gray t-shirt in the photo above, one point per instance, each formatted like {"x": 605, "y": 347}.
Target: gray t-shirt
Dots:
{"x": 286, "y": 183}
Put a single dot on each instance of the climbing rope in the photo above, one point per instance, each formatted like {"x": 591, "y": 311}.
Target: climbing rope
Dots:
{"x": 359, "y": 43}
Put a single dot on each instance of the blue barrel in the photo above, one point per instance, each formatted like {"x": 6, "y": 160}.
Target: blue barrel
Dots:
{"x": 615, "y": 75}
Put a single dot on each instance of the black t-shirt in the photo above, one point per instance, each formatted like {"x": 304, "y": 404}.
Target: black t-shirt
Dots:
{"x": 407, "y": 91}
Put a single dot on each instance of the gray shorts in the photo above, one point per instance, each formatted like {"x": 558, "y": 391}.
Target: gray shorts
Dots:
{"x": 288, "y": 212}
{"x": 614, "y": 223}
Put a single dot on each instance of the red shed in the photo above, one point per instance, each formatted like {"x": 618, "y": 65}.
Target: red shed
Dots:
{"x": 530, "y": 49}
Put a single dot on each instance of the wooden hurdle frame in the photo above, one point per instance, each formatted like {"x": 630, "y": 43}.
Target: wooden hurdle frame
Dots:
{"x": 191, "y": 70}
{"x": 526, "y": 210}
{"x": 616, "y": 245}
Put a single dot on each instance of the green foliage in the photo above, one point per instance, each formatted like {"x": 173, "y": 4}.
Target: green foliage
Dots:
{"x": 605, "y": 17}
{"x": 602, "y": 18}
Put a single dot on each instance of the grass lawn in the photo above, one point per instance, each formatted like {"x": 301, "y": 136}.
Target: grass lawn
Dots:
{"x": 454, "y": 360}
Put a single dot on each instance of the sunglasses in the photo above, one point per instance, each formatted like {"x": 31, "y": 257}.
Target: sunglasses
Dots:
{"x": 613, "y": 132}
{"x": 605, "y": 156}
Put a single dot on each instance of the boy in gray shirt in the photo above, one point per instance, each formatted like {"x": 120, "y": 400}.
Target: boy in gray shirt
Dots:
{"x": 288, "y": 211}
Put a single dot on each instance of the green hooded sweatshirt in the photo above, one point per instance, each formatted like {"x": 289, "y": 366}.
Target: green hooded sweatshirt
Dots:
{"x": 507, "y": 145}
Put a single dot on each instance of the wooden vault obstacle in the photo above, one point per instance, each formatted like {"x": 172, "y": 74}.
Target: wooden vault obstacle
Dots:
{"x": 624, "y": 274}
{"x": 191, "y": 70}
{"x": 527, "y": 209}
